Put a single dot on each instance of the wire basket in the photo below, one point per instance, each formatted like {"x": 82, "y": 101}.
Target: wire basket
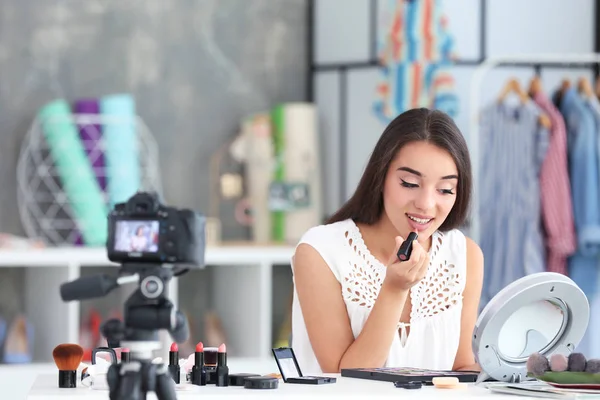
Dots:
{"x": 45, "y": 210}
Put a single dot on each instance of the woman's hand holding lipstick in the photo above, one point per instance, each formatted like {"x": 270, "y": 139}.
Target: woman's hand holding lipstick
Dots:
{"x": 405, "y": 274}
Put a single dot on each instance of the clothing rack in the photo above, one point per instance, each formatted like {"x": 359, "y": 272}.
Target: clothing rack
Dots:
{"x": 554, "y": 60}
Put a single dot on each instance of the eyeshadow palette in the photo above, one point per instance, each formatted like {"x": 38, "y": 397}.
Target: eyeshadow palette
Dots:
{"x": 405, "y": 374}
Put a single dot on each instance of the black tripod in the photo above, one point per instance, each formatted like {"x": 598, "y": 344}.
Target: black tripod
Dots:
{"x": 146, "y": 311}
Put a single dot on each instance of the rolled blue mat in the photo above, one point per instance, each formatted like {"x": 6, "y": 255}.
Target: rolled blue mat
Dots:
{"x": 74, "y": 169}
{"x": 121, "y": 152}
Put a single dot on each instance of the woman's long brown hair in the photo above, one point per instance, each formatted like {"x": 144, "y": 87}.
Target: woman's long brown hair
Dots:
{"x": 420, "y": 124}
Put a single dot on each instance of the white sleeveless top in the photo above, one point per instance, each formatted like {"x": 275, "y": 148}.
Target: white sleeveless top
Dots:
{"x": 435, "y": 317}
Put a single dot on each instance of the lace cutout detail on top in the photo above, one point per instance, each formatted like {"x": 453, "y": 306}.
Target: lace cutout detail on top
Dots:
{"x": 365, "y": 277}
{"x": 441, "y": 287}
{"x": 438, "y": 291}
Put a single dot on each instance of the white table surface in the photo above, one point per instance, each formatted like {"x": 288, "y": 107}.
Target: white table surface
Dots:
{"x": 45, "y": 387}
{"x": 36, "y": 382}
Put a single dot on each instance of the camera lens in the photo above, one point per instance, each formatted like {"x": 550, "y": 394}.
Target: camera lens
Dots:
{"x": 152, "y": 287}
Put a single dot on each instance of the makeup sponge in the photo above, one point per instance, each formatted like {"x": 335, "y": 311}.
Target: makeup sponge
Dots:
{"x": 593, "y": 366}
{"x": 577, "y": 362}
{"x": 445, "y": 382}
{"x": 558, "y": 363}
{"x": 537, "y": 364}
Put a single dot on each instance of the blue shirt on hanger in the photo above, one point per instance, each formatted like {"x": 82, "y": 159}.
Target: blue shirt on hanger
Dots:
{"x": 583, "y": 124}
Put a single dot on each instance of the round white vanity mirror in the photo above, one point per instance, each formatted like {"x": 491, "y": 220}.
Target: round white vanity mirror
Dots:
{"x": 545, "y": 312}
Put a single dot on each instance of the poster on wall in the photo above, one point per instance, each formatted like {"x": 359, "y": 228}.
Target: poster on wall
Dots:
{"x": 415, "y": 53}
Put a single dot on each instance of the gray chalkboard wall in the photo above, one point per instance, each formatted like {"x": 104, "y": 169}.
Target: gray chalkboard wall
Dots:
{"x": 195, "y": 67}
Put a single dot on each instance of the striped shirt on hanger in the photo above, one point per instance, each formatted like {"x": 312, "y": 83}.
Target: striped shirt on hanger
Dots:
{"x": 555, "y": 192}
{"x": 513, "y": 147}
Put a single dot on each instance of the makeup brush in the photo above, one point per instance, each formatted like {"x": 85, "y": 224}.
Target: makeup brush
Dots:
{"x": 593, "y": 366}
{"x": 537, "y": 364}
{"x": 558, "y": 362}
{"x": 577, "y": 362}
{"x": 67, "y": 357}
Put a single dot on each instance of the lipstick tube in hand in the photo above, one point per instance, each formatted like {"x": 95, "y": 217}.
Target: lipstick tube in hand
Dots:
{"x": 406, "y": 247}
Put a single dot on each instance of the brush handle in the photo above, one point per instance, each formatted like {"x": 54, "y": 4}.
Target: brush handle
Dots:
{"x": 67, "y": 379}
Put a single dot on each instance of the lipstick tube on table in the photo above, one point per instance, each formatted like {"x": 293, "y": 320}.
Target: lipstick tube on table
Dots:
{"x": 199, "y": 369}
{"x": 222, "y": 368}
{"x": 174, "y": 363}
{"x": 125, "y": 355}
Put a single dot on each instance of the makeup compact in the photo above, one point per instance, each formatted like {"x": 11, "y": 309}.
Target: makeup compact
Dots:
{"x": 405, "y": 375}
{"x": 210, "y": 362}
{"x": 261, "y": 382}
{"x": 110, "y": 351}
{"x": 544, "y": 313}
{"x": 290, "y": 370}
{"x": 409, "y": 385}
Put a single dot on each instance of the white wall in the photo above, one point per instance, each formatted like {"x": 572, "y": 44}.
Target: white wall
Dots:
{"x": 342, "y": 35}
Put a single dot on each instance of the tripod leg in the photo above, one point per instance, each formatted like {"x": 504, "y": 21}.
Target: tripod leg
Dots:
{"x": 165, "y": 386}
{"x": 127, "y": 384}
{"x": 112, "y": 378}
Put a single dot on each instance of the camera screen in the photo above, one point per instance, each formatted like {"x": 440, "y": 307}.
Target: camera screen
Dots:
{"x": 136, "y": 236}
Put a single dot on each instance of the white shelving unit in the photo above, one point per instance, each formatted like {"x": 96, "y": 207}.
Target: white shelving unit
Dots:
{"x": 242, "y": 292}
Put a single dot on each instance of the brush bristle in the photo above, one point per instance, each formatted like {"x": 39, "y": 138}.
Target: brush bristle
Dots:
{"x": 537, "y": 364}
{"x": 577, "y": 362}
{"x": 558, "y": 363}
{"x": 67, "y": 356}
{"x": 593, "y": 366}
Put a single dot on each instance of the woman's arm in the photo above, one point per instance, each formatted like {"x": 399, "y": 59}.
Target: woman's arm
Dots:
{"x": 326, "y": 316}
{"x": 465, "y": 360}
{"x": 327, "y": 322}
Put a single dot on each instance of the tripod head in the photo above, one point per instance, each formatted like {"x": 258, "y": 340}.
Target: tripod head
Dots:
{"x": 153, "y": 243}
{"x": 146, "y": 311}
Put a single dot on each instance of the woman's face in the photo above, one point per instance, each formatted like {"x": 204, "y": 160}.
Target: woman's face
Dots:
{"x": 420, "y": 189}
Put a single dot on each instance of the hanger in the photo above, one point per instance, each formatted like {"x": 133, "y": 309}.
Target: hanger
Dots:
{"x": 564, "y": 86}
{"x": 513, "y": 86}
{"x": 535, "y": 86}
{"x": 585, "y": 87}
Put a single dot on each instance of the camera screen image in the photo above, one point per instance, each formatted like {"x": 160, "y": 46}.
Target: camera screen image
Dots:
{"x": 137, "y": 236}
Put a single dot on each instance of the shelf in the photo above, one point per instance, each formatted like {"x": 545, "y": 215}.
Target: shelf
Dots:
{"x": 228, "y": 254}
{"x": 241, "y": 294}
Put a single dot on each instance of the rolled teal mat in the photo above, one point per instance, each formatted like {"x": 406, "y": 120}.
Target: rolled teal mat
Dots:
{"x": 78, "y": 179}
{"x": 121, "y": 147}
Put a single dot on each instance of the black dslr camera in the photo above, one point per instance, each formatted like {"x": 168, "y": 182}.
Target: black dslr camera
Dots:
{"x": 152, "y": 243}
{"x": 142, "y": 230}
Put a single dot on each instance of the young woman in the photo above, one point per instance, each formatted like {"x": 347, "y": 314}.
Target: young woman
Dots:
{"x": 355, "y": 304}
